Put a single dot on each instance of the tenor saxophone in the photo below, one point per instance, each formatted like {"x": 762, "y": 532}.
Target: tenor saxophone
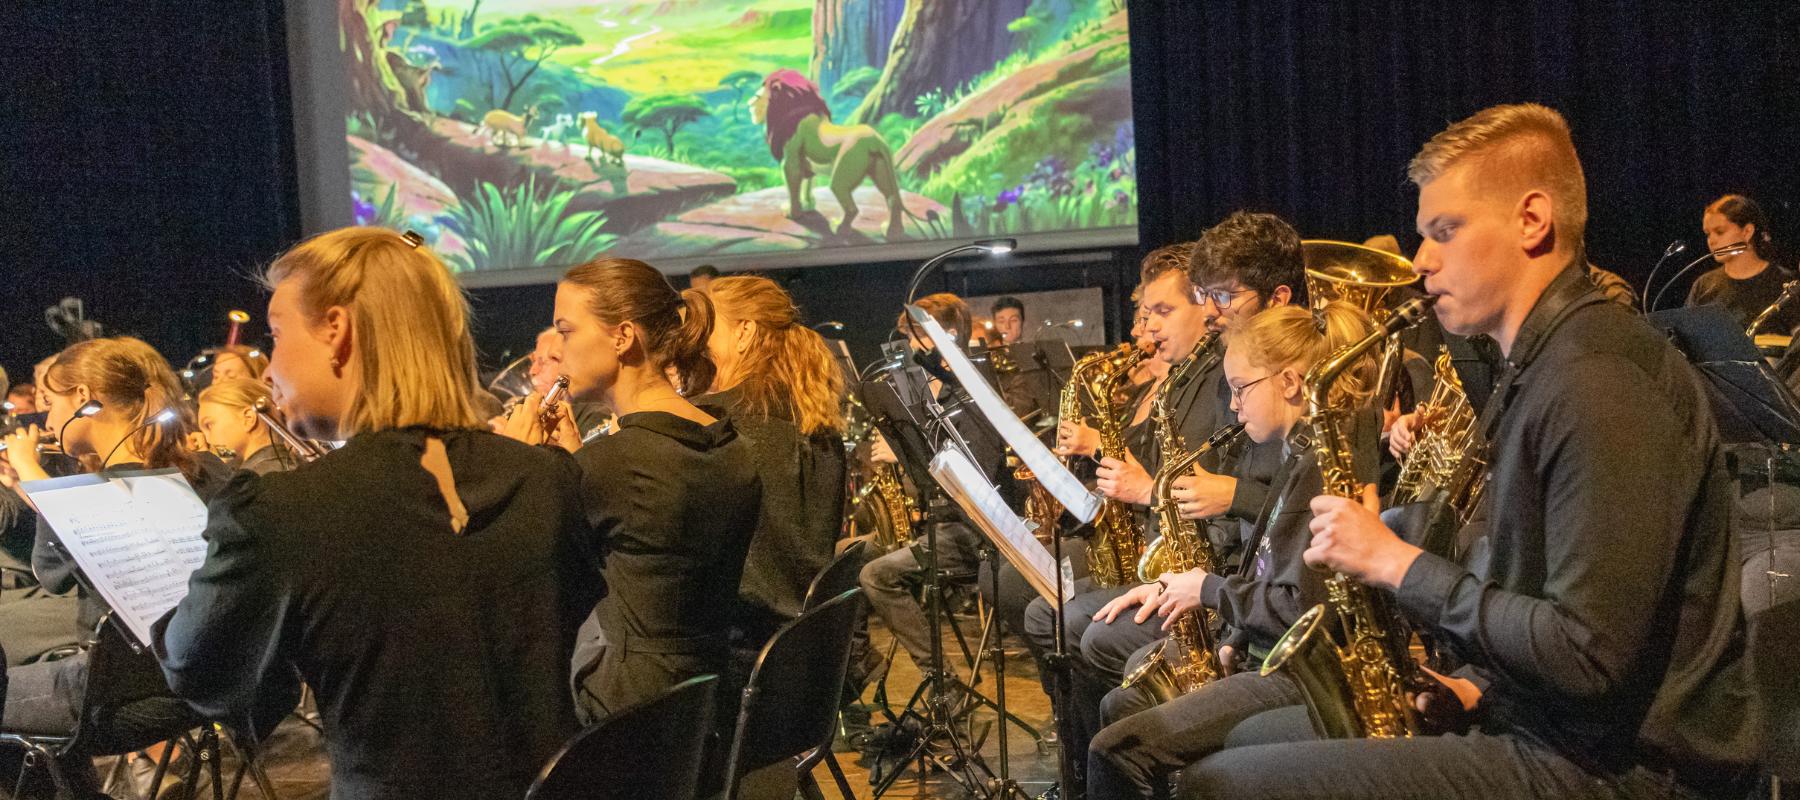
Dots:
{"x": 1113, "y": 549}
{"x": 1354, "y": 687}
{"x": 1188, "y": 658}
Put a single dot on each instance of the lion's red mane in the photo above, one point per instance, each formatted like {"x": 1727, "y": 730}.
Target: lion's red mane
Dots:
{"x": 791, "y": 98}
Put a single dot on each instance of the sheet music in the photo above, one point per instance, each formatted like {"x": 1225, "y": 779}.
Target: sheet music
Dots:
{"x": 1050, "y": 472}
{"x": 136, "y": 536}
{"x": 981, "y": 502}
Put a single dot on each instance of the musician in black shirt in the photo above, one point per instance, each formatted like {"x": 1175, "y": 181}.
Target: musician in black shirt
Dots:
{"x": 1599, "y": 628}
{"x": 1745, "y": 283}
{"x": 673, "y": 496}
{"x": 425, "y": 579}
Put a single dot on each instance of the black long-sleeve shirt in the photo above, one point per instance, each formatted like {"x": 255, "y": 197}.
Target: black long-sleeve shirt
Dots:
{"x": 1606, "y": 613}
{"x": 801, "y": 515}
{"x": 1260, "y": 599}
{"x": 440, "y": 658}
{"x": 674, "y": 505}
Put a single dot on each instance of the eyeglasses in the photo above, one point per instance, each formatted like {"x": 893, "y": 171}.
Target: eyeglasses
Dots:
{"x": 1219, "y": 297}
{"x": 1237, "y": 392}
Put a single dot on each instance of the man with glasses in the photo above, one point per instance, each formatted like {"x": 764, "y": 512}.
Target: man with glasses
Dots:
{"x": 1245, "y": 264}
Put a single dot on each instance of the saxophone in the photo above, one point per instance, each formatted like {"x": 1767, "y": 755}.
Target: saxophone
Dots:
{"x": 1446, "y": 463}
{"x": 1357, "y": 688}
{"x": 1113, "y": 549}
{"x": 896, "y": 504}
{"x": 1187, "y": 658}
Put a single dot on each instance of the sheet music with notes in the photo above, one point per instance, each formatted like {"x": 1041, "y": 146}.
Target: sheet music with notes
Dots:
{"x": 135, "y": 534}
{"x": 982, "y": 503}
{"x": 1050, "y": 472}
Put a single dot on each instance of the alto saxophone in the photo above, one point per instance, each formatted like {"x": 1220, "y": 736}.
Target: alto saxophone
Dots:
{"x": 1354, "y": 687}
{"x": 1188, "y": 658}
{"x": 1113, "y": 549}
{"x": 896, "y": 504}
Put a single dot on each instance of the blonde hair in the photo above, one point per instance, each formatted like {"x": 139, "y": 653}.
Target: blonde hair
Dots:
{"x": 254, "y": 360}
{"x": 788, "y": 365}
{"x": 237, "y": 393}
{"x": 1293, "y": 336}
{"x": 414, "y": 353}
{"x": 673, "y": 326}
{"x": 1515, "y": 148}
{"x": 134, "y": 381}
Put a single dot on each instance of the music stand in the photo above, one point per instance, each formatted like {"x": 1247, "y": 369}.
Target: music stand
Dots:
{"x": 1753, "y": 406}
{"x": 1033, "y": 371}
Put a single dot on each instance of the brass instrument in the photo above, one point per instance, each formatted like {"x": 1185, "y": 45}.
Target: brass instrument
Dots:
{"x": 304, "y": 449}
{"x": 237, "y": 318}
{"x": 1788, "y": 290}
{"x": 1363, "y": 277}
{"x": 896, "y": 504}
{"x": 1446, "y": 461}
{"x": 1356, "y": 688}
{"x": 1042, "y": 509}
{"x": 1113, "y": 549}
{"x": 1188, "y": 658}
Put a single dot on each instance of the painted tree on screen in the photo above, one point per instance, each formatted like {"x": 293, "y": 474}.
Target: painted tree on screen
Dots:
{"x": 740, "y": 83}
{"x": 520, "y": 45}
{"x": 664, "y": 113}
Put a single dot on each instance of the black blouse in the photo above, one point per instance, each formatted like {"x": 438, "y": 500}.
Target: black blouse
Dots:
{"x": 803, "y": 479}
{"x": 440, "y": 658}
{"x": 674, "y": 505}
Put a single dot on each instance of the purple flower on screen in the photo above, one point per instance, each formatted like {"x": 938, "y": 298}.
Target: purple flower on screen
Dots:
{"x": 362, "y": 210}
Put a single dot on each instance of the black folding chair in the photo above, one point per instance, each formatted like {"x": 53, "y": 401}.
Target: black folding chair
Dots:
{"x": 789, "y": 709}
{"x": 653, "y": 750}
{"x": 837, "y": 577}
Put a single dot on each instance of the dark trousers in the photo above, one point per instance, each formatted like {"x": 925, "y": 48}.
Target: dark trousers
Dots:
{"x": 1135, "y": 756}
{"x": 888, "y": 582}
{"x": 1474, "y": 765}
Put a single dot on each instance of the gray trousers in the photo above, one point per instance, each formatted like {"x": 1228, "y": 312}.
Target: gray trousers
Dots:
{"x": 888, "y": 582}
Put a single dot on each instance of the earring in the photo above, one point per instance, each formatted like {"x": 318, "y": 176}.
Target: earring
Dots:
{"x": 336, "y": 364}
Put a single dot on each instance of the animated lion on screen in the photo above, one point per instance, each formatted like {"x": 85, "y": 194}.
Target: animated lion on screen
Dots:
{"x": 802, "y": 137}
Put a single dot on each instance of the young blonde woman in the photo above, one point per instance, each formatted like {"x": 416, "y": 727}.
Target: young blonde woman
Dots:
{"x": 227, "y": 413}
{"x": 425, "y": 579}
{"x": 1266, "y": 360}
{"x": 778, "y": 383}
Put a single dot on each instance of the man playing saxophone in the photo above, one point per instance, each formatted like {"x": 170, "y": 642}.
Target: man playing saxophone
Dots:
{"x": 1598, "y": 628}
{"x": 1266, "y": 359}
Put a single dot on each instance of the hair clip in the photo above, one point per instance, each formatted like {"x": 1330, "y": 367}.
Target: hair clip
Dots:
{"x": 412, "y": 237}
{"x": 1318, "y": 321}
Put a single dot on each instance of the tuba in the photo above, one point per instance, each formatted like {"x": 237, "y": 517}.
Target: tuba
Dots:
{"x": 1447, "y": 463}
{"x": 1363, "y": 277}
{"x": 1114, "y": 547}
{"x": 1356, "y": 686}
{"x": 1187, "y": 658}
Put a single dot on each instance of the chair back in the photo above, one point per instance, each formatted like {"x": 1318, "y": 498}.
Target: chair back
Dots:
{"x": 837, "y": 577}
{"x": 791, "y": 702}
{"x": 651, "y": 750}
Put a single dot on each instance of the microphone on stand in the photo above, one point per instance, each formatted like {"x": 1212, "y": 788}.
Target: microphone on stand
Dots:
{"x": 1668, "y": 252}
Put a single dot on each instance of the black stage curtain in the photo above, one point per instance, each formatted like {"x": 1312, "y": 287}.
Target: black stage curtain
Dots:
{"x": 1312, "y": 109}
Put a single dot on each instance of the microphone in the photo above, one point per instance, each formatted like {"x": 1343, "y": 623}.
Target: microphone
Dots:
{"x": 1668, "y": 252}
{"x": 1728, "y": 250}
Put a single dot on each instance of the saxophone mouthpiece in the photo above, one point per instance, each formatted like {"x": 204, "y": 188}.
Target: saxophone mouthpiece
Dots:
{"x": 1410, "y": 313}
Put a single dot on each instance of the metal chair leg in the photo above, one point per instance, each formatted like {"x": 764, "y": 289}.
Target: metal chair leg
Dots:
{"x": 837, "y": 774}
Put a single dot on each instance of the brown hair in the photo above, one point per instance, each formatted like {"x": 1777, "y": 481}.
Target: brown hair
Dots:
{"x": 1289, "y": 335}
{"x": 1163, "y": 260}
{"x": 1261, "y": 251}
{"x": 1741, "y": 211}
{"x": 949, "y": 310}
{"x": 673, "y": 326}
{"x": 788, "y": 367}
{"x": 133, "y": 380}
{"x": 414, "y": 353}
{"x": 1516, "y": 148}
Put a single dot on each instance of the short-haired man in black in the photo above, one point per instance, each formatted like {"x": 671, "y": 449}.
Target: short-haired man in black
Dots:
{"x": 1009, "y": 319}
{"x": 1600, "y": 626}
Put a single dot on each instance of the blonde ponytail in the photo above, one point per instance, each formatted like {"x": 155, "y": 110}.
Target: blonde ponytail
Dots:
{"x": 1294, "y": 337}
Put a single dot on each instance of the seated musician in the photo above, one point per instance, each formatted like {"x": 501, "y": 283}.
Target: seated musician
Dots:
{"x": 1266, "y": 359}
{"x": 673, "y": 495}
{"x": 132, "y": 384}
{"x": 890, "y": 579}
{"x": 1600, "y": 630}
{"x": 228, "y": 418}
{"x": 425, "y": 579}
{"x": 780, "y": 386}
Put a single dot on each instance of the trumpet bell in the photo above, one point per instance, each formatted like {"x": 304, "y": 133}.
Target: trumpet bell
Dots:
{"x": 1358, "y": 275}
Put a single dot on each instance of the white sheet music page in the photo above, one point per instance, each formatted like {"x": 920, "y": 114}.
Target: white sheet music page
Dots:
{"x": 1050, "y": 472}
{"x": 982, "y": 503}
{"x": 135, "y": 534}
